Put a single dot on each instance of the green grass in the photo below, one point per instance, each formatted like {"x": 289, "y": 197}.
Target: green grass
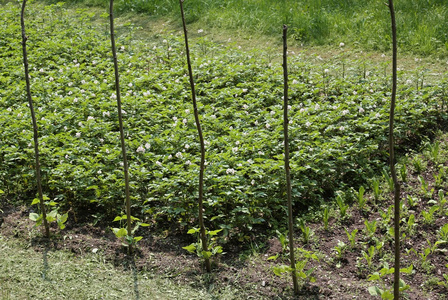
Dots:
{"x": 364, "y": 24}
{"x": 27, "y": 274}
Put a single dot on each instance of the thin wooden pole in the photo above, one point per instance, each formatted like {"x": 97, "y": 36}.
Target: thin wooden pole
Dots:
{"x": 287, "y": 171}
{"x": 33, "y": 116}
{"x": 120, "y": 121}
{"x": 201, "y": 140}
{"x": 392, "y": 154}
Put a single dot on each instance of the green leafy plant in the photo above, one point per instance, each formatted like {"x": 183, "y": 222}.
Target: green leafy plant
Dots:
{"x": 325, "y": 218}
{"x": 443, "y": 233}
{"x": 389, "y": 180}
{"x": 426, "y": 191}
{"x": 342, "y": 206}
{"x": 417, "y": 163}
{"x": 383, "y": 291}
{"x": 370, "y": 228}
{"x": 340, "y": 249}
{"x": 404, "y": 173}
{"x": 376, "y": 189}
{"x": 412, "y": 201}
{"x": 444, "y": 283}
{"x": 212, "y": 241}
{"x": 369, "y": 255}
{"x": 52, "y": 216}
{"x": 351, "y": 237}
{"x": 302, "y": 273}
{"x": 306, "y": 231}
{"x": 428, "y": 216}
{"x": 440, "y": 177}
{"x": 361, "y": 199}
{"x": 127, "y": 238}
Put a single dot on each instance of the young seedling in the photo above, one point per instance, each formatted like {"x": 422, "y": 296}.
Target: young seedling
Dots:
{"x": 376, "y": 189}
{"x": 404, "y": 173}
{"x": 342, "y": 206}
{"x": 300, "y": 268}
{"x": 444, "y": 283}
{"x": 370, "y": 228}
{"x": 325, "y": 218}
{"x": 385, "y": 292}
{"x": 52, "y": 216}
{"x": 369, "y": 255}
{"x": 306, "y": 231}
{"x": 351, "y": 237}
{"x": 361, "y": 199}
{"x": 428, "y": 216}
{"x": 212, "y": 240}
{"x": 340, "y": 250}
{"x": 440, "y": 177}
{"x": 389, "y": 180}
{"x": 126, "y": 237}
{"x": 417, "y": 163}
{"x": 426, "y": 191}
{"x": 443, "y": 233}
{"x": 412, "y": 201}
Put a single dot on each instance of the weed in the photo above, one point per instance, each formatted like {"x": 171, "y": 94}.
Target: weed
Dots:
{"x": 306, "y": 231}
{"x": 127, "y": 238}
{"x": 213, "y": 248}
{"x": 351, "y": 237}
{"x": 383, "y": 291}
{"x": 342, "y": 206}
{"x": 52, "y": 216}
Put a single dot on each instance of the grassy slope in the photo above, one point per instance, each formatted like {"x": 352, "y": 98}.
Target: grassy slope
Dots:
{"x": 49, "y": 274}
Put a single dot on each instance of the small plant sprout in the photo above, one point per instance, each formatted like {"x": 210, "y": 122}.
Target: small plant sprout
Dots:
{"x": 440, "y": 177}
{"x": 412, "y": 201}
{"x": 417, "y": 163}
{"x": 361, "y": 199}
{"x": 370, "y": 228}
{"x": 428, "y": 216}
{"x": 443, "y": 233}
{"x": 212, "y": 241}
{"x": 404, "y": 173}
{"x": 52, "y": 216}
{"x": 340, "y": 250}
{"x": 426, "y": 191}
{"x": 389, "y": 180}
{"x": 325, "y": 218}
{"x": 302, "y": 273}
{"x": 442, "y": 200}
{"x": 127, "y": 238}
{"x": 411, "y": 224}
{"x": 383, "y": 290}
{"x": 444, "y": 283}
{"x": 342, "y": 206}
{"x": 306, "y": 231}
{"x": 434, "y": 151}
{"x": 351, "y": 237}
{"x": 376, "y": 189}
{"x": 369, "y": 255}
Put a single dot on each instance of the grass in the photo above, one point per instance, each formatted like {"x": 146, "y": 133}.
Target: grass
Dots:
{"x": 421, "y": 23}
{"x": 27, "y": 274}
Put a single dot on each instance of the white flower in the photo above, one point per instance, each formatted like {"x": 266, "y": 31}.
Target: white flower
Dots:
{"x": 361, "y": 110}
{"x": 341, "y": 45}
{"x": 256, "y": 122}
{"x": 187, "y": 111}
{"x": 165, "y": 41}
{"x": 106, "y": 113}
{"x": 170, "y": 156}
{"x": 252, "y": 182}
{"x": 41, "y": 70}
{"x": 230, "y": 171}
{"x": 94, "y": 62}
{"x": 377, "y": 115}
{"x": 179, "y": 155}
{"x": 158, "y": 163}
{"x": 272, "y": 112}
{"x": 188, "y": 162}
{"x": 122, "y": 48}
{"x": 80, "y": 124}
{"x": 235, "y": 149}
{"x": 307, "y": 124}
{"x": 213, "y": 116}
{"x": 289, "y": 107}
{"x": 107, "y": 151}
{"x": 200, "y": 31}
{"x": 101, "y": 140}
{"x": 77, "y": 65}
{"x": 244, "y": 90}
{"x": 99, "y": 172}
{"x": 245, "y": 106}
{"x": 90, "y": 118}
{"x": 70, "y": 92}
{"x": 123, "y": 112}
{"x": 326, "y": 71}
{"x": 174, "y": 118}
{"x": 409, "y": 81}
{"x": 75, "y": 61}
{"x": 231, "y": 127}
{"x": 78, "y": 134}
{"x": 147, "y": 146}
{"x": 295, "y": 81}
{"x": 317, "y": 107}
{"x": 383, "y": 55}
{"x": 141, "y": 149}
{"x": 83, "y": 81}
{"x": 268, "y": 125}
{"x": 70, "y": 83}
{"x": 344, "y": 112}
{"x": 66, "y": 156}
{"x": 342, "y": 128}
{"x": 187, "y": 146}
{"x": 51, "y": 79}
{"x": 355, "y": 93}
{"x": 185, "y": 121}
{"x": 302, "y": 110}
{"x": 237, "y": 143}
